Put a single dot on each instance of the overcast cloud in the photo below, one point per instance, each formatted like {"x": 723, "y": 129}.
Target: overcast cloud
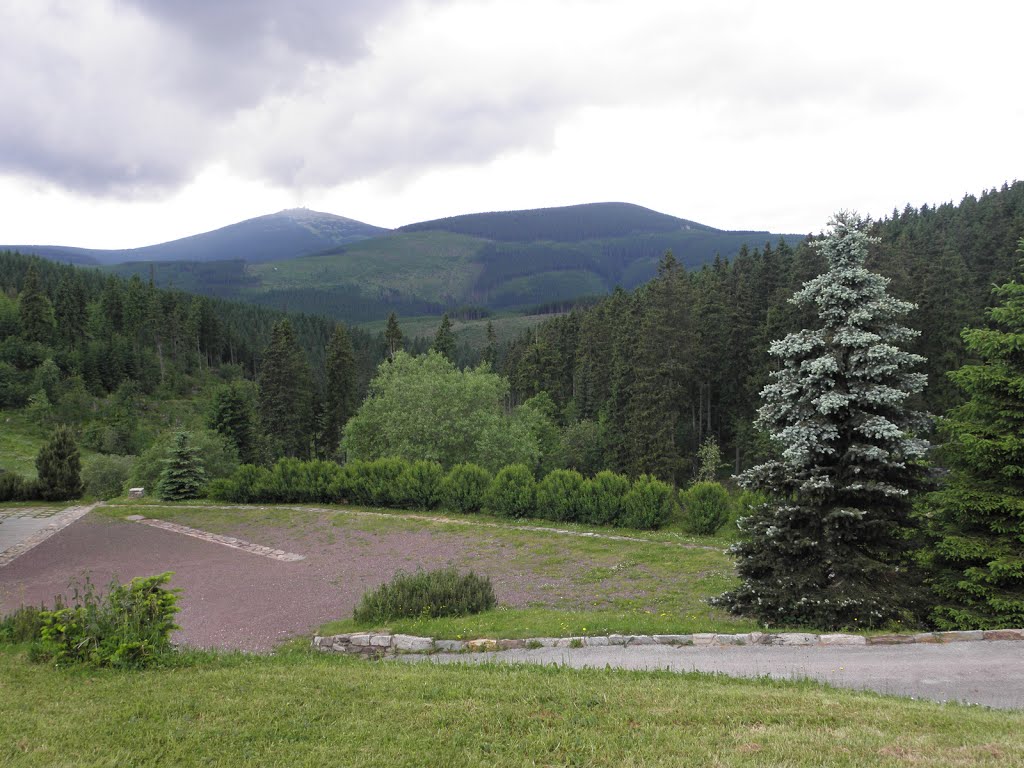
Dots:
{"x": 393, "y": 107}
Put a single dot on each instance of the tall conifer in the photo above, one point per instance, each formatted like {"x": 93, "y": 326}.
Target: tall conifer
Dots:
{"x": 444, "y": 339}
{"x": 340, "y": 397}
{"x": 827, "y": 548}
{"x": 285, "y": 393}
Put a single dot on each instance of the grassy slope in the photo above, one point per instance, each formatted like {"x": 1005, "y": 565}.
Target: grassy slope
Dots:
{"x": 296, "y": 709}
{"x": 435, "y": 266}
{"x": 20, "y": 441}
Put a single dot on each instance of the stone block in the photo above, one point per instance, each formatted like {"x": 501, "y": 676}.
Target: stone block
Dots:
{"x": 381, "y": 641}
{"x": 359, "y": 638}
{"x": 840, "y": 639}
{"x": 703, "y": 638}
{"x": 451, "y": 646}
{"x": 673, "y": 639}
{"x": 616, "y": 639}
{"x": 891, "y": 640}
{"x": 511, "y": 645}
{"x": 482, "y": 645}
{"x": 729, "y": 640}
{"x": 925, "y": 637}
{"x": 1004, "y": 634}
{"x": 640, "y": 640}
{"x": 136, "y": 493}
{"x": 412, "y": 643}
{"x": 593, "y": 642}
{"x": 797, "y": 638}
{"x": 960, "y": 637}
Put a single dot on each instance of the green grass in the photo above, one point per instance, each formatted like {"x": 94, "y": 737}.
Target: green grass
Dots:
{"x": 297, "y": 709}
{"x": 20, "y": 441}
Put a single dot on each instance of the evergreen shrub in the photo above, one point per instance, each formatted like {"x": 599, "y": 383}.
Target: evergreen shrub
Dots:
{"x": 128, "y": 627}
{"x": 14, "y": 487}
{"x": 59, "y": 467}
{"x": 107, "y": 476}
{"x": 427, "y": 594}
{"x": 603, "y": 495}
{"x": 649, "y": 504}
{"x": 246, "y": 486}
{"x": 465, "y": 488}
{"x": 21, "y": 625}
{"x": 419, "y": 485}
{"x": 561, "y": 496}
{"x": 183, "y": 476}
{"x": 706, "y": 508}
{"x": 512, "y": 493}
{"x": 379, "y": 481}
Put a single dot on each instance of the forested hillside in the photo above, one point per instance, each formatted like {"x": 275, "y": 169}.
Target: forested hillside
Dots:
{"x": 650, "y": 374}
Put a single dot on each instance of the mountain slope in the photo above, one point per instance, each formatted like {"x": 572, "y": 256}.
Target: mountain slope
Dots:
{"x": 567, "y": 224}
{"x": 278, "y": 236}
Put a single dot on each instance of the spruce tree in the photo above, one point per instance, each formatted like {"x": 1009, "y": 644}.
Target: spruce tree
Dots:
{"x": 183, "y": 475}
{"x": 233, "y": 414}
{"x": 340, "y": 397}
{"x": 976, "y": 522}
{"x": 827, "y": 549}
{"x": 490, "y": 354}
{"x": 444, "y": 339}
{"x": 35, "y": 310}
{"x": 285, "y": 393}
{"x": 59, "y": 467}
{"x": 392, "y": 336}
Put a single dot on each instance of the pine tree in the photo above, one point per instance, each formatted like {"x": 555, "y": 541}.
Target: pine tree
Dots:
{"x": 35, "y": 310}
{"x": 491, "y": 350}
{"x": 340, "y": 397}
{"x": 976, "y": 521}
{"x": 392, "y": 336}
{"x": 233, "y": 414}
{"x": 69, "y": 309}
{"x": 444, "y": 339}
{"x": 59, "y": 467}
{"x": 827, "y": 548}
{"x": 286, "y": 393}
{"x": 183, "y": 475}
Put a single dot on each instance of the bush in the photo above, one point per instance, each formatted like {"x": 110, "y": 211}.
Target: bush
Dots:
{"x": 107, "y": 476}
{"x": 512, "y": 493}
{"x": 243, "y": 487}
{"x": 649, "y": 504}
{"x": 14, "y": 487}
{"x": 419, "y": 485}
{"x": 217, "y": 453}
{"x": 59, "y": 467}
{"x": 377, "y": 481}
{"x": 130, "y": 626}
{"x": 603, "y": 495}
{"x": 22, "y": 625}
{"x": 706, "y": 508}
{"x": 427, "y": 594}
{"x": 561, "y": 496}
{"x": 465, "y": 488}
{"x": 292, "y": 480}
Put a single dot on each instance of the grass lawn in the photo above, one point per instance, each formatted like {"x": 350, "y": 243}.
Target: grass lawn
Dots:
{"x": 299, "y": 709}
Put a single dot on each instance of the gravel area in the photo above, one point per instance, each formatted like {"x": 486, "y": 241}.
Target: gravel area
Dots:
{"x": 236, "y": 599}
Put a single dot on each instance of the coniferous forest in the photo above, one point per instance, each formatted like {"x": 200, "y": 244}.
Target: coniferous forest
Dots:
{"x": 683, "y": 378}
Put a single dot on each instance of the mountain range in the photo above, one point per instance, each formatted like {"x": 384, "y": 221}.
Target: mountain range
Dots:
{"x": 508, "y": 261}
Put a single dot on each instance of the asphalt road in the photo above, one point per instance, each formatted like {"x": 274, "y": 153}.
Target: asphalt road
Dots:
{"x": 988, "y": 673}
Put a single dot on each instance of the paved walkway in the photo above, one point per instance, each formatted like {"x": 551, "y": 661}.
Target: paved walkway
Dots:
{"x": 22, "y": 528}
{"x": 988, "y": 673}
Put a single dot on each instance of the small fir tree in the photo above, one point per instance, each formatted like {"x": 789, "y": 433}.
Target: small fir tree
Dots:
{"x": 976, "y": 521}
{"x": 392, "y": 336}
{"x": 444, "y": 339}
{"x": 59, "y": 467}
{"x": 233, "y": 414}
{"x": 183, "y": 475}
{"x": 828, "y": 549}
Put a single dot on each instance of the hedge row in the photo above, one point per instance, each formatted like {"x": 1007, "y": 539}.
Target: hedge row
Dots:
{"x": 562, "y": 495}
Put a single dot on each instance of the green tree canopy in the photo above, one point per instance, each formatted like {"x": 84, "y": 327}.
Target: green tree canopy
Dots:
{"x": 425, "y": 408}
{"x": 286, "y": 393}
{"x": 59, "y": 466}
{"x": 977, "y": 519}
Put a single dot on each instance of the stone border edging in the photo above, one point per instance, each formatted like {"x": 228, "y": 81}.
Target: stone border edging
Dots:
{"x": 377, "y": 644}
{"x": 216, "y": 538}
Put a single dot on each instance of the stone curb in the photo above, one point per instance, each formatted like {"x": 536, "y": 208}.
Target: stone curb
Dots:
{"x": 377, "y": 644}
{"x": 216, "y": 538}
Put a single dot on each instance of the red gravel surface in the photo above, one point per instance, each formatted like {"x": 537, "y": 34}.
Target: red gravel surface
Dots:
{"x": 235, "y": 599}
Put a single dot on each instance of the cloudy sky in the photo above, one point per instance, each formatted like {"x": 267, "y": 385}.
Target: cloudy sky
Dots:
{"x": 129, "y": 122}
